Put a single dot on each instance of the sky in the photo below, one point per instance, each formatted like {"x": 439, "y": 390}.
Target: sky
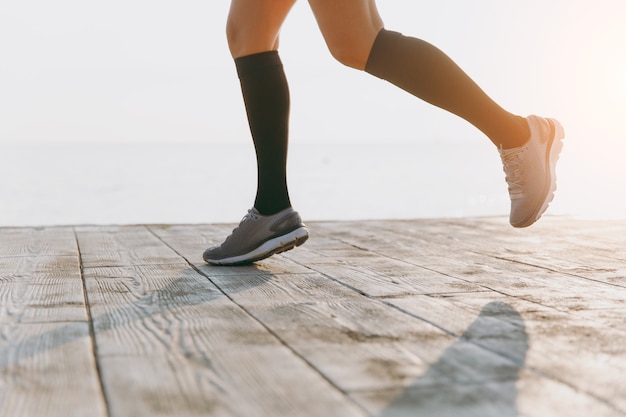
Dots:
{"x": 139, "y": 71}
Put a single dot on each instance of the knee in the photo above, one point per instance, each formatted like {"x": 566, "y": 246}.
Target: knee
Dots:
{"x": 348, "y": 53}
{"x": 246, "y": 39}
{"x": 347, "y": 56}
{"x": 352, "y": 49}
{"x": 235, "y": 36}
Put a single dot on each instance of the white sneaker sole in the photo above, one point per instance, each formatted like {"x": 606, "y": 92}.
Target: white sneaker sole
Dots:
{"x": 271, "y": 247}
{"x": 552, "y": 155}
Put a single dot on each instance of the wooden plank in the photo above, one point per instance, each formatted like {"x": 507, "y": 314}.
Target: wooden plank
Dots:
{"x": 48, "y": 370}
{"x": 432, "y": 317}
{"x": 47, "y": 367}
{"x": 554, "y": 290}
{"x": 37, "y": 241}
{"x": 559, "y": 340}
{"x": 530, "y": 396}
{"x": 549, "y": 288}
{"x": 588, "y": 249}
{"x": 585, "y": 249}
{"x": 488, "y": 236}
{"x": 239, "y": 381}
{"x": 170, "y": 343}
{"x": 377, "y": 276}
{"x": 41, "y": 289}
{"x": 539, "y": 397}
{"x": 364, "y": 345}
{"x": 525, "y": 282}
{"x": 122, "y": 245}
{"x": 481, "y": 261}
{"x": 359, "y": 343}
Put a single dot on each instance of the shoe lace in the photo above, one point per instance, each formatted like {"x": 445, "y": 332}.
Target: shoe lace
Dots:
{"x": 250, "y": 215}
{"x": 512, "y": 161}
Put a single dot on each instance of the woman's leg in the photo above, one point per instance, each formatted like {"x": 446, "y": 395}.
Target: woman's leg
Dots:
{"x": 252, "y": 30}
{"x": 349, "y": 28}
{"x": 253, "y": 26}
{"x": 529, "y": 147}
{"x": 272, "y": 226}
{"x": 354, "y": 33}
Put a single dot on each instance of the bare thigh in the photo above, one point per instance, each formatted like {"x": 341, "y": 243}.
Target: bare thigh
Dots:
{"x": 349, "y": 28}
{"x": 253, "y": 26}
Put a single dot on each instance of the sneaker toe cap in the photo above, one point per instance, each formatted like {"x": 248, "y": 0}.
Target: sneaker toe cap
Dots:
{"x": 212, "y": 254}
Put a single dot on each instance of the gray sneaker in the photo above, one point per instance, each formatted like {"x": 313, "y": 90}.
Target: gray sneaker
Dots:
{"x": 258, "y": 237}
{"x": 530, "y": 171}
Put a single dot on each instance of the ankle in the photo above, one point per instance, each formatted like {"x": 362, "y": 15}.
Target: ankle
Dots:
{"x": 516, "y": 137}
{"x": 270, "y": 209}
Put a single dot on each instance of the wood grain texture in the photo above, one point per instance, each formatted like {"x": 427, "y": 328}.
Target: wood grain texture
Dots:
{"x": 41, "y": 289}
{"x": 122, "y": 245}
{"x": 445, "y": 317}
{"x": 557, "y": 303}
{"x": 37, "y": 241}
{"x": 166, "y": 336}
{"x": 48, "y": 370}
{"x": 47, "y": 366}
{"x": 356, "y": 340}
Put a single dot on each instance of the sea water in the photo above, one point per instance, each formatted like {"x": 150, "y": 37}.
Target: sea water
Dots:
{"x": 214, "y": 183}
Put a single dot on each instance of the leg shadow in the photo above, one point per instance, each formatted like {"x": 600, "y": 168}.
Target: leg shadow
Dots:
{"x": 474, "y": 377}
{"x": 184, "y": 289}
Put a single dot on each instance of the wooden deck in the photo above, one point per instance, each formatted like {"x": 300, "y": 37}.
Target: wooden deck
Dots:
{"x": 463, "y": 317}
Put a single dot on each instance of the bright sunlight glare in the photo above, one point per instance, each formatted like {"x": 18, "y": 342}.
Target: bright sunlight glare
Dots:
{"x": 592, "y": 174}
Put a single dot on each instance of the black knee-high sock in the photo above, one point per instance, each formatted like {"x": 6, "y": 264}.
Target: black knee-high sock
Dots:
{"x": 266, "y": 96}
{"x": 426, "y": 72}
